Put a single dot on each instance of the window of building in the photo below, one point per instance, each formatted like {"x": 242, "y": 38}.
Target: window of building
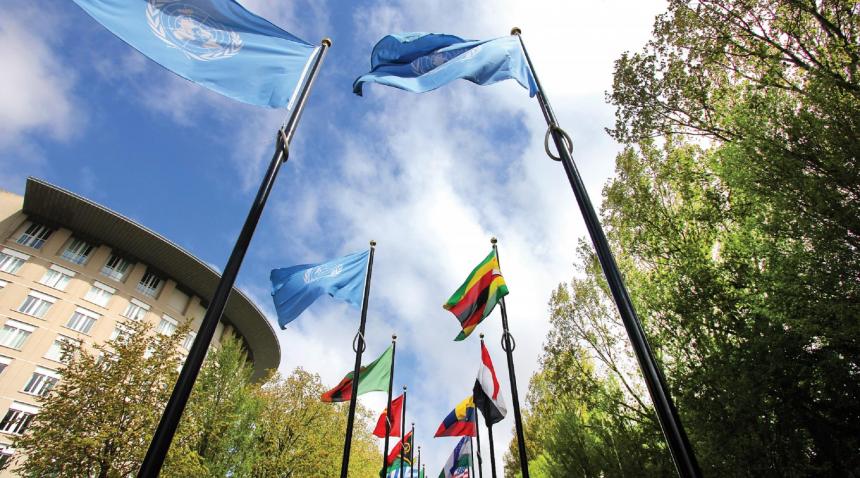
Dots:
{"x": 100, "y": 294}
{"x": 35, "y": 236}
{"x": 36, "y": 304}
{"x": 55, "y": 353}
{"x": 189, "y": 340}
{"x": 82, "y": 320}
{"x": 150, "y": 284}
{"x": 6, "y": 454}
{"x": 12, "y": 260}
{"x": 116, "y": 267}
{"x": 14, "y": 334}
{"x": 120, "y": 332}
{"x": 77, "y": 251}
{"x": 57, "y": 277}
{"x": 167, "y": 325}
{"x": 41, "y": 382}
{"x": 4, "y": 362}
{"x": 136, "y": 310}
{"x": 18, "y": 418}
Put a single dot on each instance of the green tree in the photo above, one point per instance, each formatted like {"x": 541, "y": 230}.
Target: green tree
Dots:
{"x": 98, "y": 420}
{"x": 301, "y": 436}
{"x": 734, "y": 217}
{"x": 218, "y": 430}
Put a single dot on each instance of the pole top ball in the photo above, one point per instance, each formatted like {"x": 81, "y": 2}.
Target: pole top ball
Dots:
{"x": 516, "y": 31}
{"x": 493, "y": 240}
{"x": 372, "y": 243}
{"x": 393, "y": 336}
{"x": 404, "y": 388}
{"x": 481, "y": 335}
{"x": 326, "y": 41}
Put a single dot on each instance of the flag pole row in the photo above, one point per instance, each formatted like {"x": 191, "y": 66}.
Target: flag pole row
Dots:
{"x": 284, "y": 68}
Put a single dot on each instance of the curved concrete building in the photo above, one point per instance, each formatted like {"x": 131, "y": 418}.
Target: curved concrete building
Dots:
{"x": 72, "y": 270}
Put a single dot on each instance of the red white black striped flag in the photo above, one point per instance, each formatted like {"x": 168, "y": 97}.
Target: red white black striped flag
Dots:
{"x": 487, "y": 392}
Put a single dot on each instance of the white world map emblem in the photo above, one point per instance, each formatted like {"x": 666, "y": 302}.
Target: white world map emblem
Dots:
{"x": 426, "y": 63}
{"x": 186, "y": 27}
{"x": 319, "y": 272}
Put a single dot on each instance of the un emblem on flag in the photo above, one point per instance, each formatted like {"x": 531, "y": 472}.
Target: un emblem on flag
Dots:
{"x": 322, "y": 271}
{"x": 190, "y": 29}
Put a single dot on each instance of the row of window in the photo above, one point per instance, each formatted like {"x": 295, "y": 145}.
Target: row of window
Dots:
{"x": 77, "y": 251}
{"x": 15, "y": 333}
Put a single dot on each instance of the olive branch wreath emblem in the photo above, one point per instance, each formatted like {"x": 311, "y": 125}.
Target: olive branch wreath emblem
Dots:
{"x": 156, "y": 23}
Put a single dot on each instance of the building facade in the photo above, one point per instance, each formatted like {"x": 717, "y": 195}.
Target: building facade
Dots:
{"x": 74, "y": 271}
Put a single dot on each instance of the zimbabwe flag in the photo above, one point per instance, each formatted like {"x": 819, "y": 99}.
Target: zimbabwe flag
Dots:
{"x": 477, "y": 297}
{"x": 371, "y": 378}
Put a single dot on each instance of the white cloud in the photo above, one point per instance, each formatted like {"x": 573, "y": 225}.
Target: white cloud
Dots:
{"x": 35, "y": 92}
{"x": 424, "y": 176}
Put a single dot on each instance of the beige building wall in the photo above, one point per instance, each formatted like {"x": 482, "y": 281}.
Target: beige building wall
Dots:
{"x": 19, "y": 362}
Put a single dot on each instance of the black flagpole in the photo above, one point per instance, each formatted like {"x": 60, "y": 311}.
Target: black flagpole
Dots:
{"x": 388, "y": 410}
{"x": 472, "y": 456}
{"x": 403, "y": 429}
{"x": 508, "y": 344}
{"x": 670, "y": 422}
{"x": 160, "y": 444}
{"x": 478, "y": 441}
{"x": 492, "y": 451}
{"x": 411, "y": 454}
{"x": 358, "y": 345}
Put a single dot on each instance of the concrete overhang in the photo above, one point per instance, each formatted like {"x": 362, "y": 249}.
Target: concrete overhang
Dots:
{"x": 58, "y": 207}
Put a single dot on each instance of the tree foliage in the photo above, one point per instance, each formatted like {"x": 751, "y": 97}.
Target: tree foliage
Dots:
{"x": 99, "y": 418}
{"x": 735, "y": 217}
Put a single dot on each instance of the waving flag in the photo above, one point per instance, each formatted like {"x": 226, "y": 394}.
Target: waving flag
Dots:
{"x": 460, "y": 422}
{"x": 478, "y": 296}
{"x": 487, "y": 392}
{"x": 215, "y": 43}
{"x": 396, "y": 408}
{"x": 297, "y": 287}
{"x": 420, "y": 62}
{"x": 371, "y": 378}
{"x": 460, "y": 461}
{"x": 406, "y": 445}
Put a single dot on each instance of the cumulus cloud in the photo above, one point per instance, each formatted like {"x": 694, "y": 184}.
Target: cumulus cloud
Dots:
{"x": 36, "y": 91}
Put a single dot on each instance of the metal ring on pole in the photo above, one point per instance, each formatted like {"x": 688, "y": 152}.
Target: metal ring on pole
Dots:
{"x": 565, "y": 139}
{"x": 513, "y": 342}
{"x": 355, "y": 342}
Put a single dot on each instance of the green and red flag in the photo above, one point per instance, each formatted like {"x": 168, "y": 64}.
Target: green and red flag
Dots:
{"x": 371, "y": 378}
{"x": 478, "y": 295}
{"x": 406, "y": 444}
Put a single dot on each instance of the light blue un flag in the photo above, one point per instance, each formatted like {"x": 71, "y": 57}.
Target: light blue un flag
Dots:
{"x": 295, "y": 288}
{"x": 215, "y": 43}
{"x": 420, "y": 62}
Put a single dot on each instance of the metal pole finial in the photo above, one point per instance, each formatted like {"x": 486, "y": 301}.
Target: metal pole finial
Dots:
{"x": 516, "y": 31}
{"x": 481, "y": 335}
{"x": 404, "y": 388}
{"x": 493, "y": 240}
{"x": 394, "y": 337}
{"x": 372, "y": 243}
{"x": 326, "y": 41}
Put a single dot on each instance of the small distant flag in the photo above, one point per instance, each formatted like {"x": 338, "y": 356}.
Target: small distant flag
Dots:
{"x": 460, "y": 461}
{"x": 393, "y": 470}
{"x": 478, "y": 295}
{"x": 406, "y": 445}
{"x": 420, "y": 62}
{"x": 297, "y": 287}
{"x": 487, "y": 392}
{"x": 396, "y": 409}
{"x": 371, "y": 378}
{"x": 214, "y": 43}
{"x": 460, "y": 422}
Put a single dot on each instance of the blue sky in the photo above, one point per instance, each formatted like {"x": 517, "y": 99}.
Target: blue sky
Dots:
{"x": 431, "y": 177}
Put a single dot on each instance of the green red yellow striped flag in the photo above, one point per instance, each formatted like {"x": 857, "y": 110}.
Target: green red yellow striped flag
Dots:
{"x": 478, "y": 295}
